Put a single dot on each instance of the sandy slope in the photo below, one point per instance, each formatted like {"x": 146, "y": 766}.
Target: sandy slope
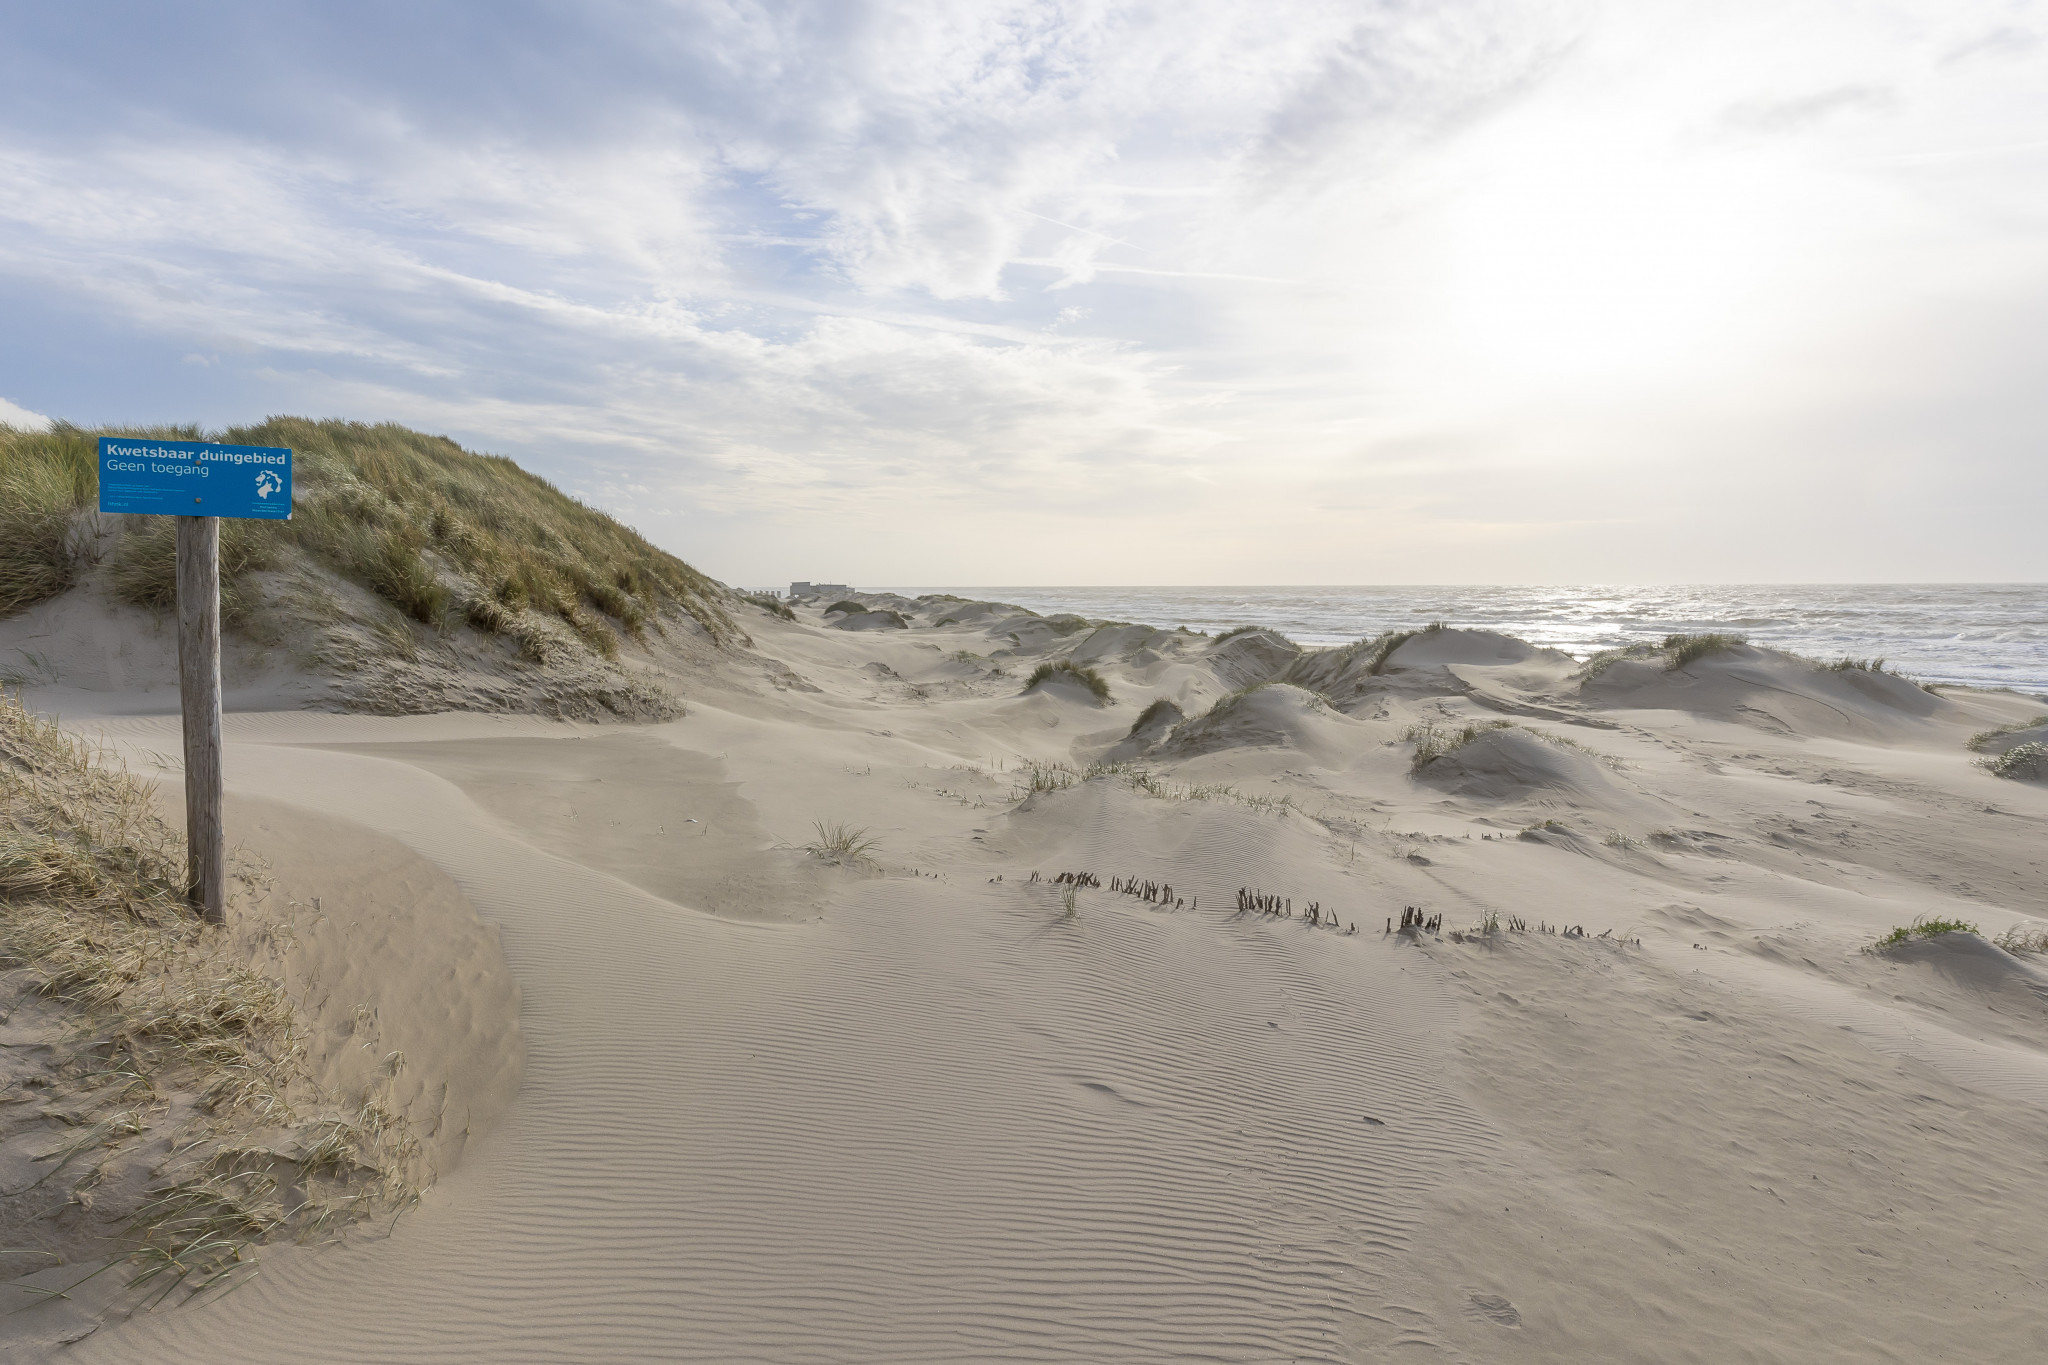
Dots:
{"x": 780, "y": 1111}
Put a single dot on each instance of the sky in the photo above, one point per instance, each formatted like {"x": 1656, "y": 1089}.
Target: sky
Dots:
{"x": 1260, "y": 292}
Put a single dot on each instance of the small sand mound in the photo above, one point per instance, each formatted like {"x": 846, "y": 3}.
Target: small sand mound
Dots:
{"x": 1123, "y": 643}
{"x": 948, "y": 612}
{"x": 1029, "y": 633}
{"x": 1980, "y": 968}
{"x": 2019, "y": 752}
{"x": 1512, "y": 764}
{"x": 871, "y": 620}
{"x": 1770, "y": 690}
{"x": 1271, "y": 715}
{"x": 1433, "y": 663}
{"x": 1434, "y": 648}
{"x": 2004, "y": 741}
{"x": 1152, "y": 726}
{"x": 1158, "y": 718}
{"x": 1069, "y": 681}
{"x": 1253, "y": 657}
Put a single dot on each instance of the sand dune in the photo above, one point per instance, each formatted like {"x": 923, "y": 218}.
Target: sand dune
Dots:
{"x": 778, "y": 1109}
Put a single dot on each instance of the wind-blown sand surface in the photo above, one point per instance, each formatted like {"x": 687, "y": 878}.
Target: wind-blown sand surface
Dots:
{"x": 779, "y": 1110}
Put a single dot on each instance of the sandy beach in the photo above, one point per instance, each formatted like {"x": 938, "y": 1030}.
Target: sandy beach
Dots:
{"x": 932, "y": 1103}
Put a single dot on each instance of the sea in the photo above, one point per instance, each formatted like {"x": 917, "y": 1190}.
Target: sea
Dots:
{"x": 1982, "y": 634}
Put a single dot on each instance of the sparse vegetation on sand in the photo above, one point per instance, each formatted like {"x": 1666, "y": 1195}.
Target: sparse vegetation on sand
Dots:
{"x": 176, "y": 1094}
{"x": 1229, "y": 701}
{"x": 1034, "y": 777}
{"x": 1382, "y": 646}
{"x": 847, "y": 845}
{"x": 1159, "y": 707}
{"x": 1315, "y": 697}
{"x": 1493, "y": 924}
{"x": 1685, "y": 649}
{"x": 2022, "y": 762}
{"x": 1983, "y": 740}
{"x": 1567, "y": 742}
{"x": 1677, "y": 651}
{"x": 1432, "y": 741}
{"x": 438, "y": 532}
{"x": 1607, "y": 658}
{"x": 1068, "y": 669}
{"x": 1924, "y": 927}
{"x": 1845, "y": 664}
{"x": 1236, "y": 631}
{"x": 846, "y": 606}
{"x": 774, "y": 606}
{"x": 2030, "y": 938}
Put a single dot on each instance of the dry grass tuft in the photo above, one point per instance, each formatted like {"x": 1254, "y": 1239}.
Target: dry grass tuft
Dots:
{"x": 1236, "y": 631}
{"x": 49, "y": 481}
{"x": 1160, "y": 709}
{"x": 176, "y": 1041}
{"x": 1035, "y": 777}
{"x": 847, "y": 845}
{"x": 1685, "y": 649}
{"x": 774, "y": 606}
{"x": 144, "y": 566}
{"x": 1096, "y": 684}
{"x": 1432, "y": 742}
{"x": 1599, "y": 663}
{"x": 1381, "y": 647}
{"x": 2029, "y": 937}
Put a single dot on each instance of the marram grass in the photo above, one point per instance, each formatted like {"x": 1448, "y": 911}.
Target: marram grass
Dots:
{"x": 1685, "y": 649}
{"x": 162, "y": 1006}
{"x": 1432, "y": 742}
{"x": 1097, "y": 685}
{"x": 441, "y": 533}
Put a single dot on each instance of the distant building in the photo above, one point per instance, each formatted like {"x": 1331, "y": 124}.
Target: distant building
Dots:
{"x": 816, "y": 589}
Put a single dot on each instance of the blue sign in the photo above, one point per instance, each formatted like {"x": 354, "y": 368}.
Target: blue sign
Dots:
{"x": 194, "y": 478}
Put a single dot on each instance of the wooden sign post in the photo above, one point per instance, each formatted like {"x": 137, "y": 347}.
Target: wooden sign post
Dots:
{"x": 206, "y": 871}
{"x": 198, "y": 482}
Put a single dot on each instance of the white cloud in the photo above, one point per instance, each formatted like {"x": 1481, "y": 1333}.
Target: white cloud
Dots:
{"x": 14, "y": 415}
{"x": 1302, "y": 289}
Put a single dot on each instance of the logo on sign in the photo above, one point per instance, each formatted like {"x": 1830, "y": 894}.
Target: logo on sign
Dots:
{"x": 268, "y": 483}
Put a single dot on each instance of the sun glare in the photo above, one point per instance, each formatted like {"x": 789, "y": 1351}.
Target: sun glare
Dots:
{"x": 1579, "y": 264}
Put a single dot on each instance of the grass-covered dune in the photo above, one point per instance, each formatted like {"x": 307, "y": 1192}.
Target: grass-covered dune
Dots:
{"x": 399, "y": 543}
